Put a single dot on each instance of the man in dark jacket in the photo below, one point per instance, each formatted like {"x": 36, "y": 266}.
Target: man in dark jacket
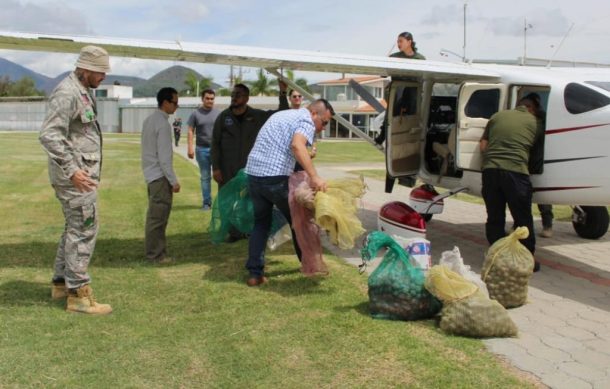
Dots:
{"x": 235, "y": 131}
{"x": 234, "y": 134}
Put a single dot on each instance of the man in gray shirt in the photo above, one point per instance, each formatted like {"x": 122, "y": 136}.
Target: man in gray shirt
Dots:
{"x": 157, "y": 165}
{"x": 201, "y": 124}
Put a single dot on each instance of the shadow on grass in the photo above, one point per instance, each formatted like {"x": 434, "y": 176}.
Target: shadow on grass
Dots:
{"x": 26, "y": 293}
{"x": 223, "y": 263}
{"x": 361, "y": 308}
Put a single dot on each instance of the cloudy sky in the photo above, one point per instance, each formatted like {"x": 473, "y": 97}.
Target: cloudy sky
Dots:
{"x": 494, "y": 27}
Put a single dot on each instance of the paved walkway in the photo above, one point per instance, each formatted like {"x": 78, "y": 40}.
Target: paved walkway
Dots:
{"x": 564, "y": 330}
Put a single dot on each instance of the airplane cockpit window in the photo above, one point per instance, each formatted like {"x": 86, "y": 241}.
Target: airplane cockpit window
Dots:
{"x": 600, "y": 84}
{"x": 579, "y": 98}
{"x": 483, "y": 103}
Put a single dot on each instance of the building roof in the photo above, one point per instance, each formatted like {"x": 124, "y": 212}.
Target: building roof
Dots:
{"x": 365, "y": 107}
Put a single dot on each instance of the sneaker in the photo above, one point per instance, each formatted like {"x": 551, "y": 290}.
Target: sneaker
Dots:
{"x": 547, "y": 233}
{"x": 256, "y": 281}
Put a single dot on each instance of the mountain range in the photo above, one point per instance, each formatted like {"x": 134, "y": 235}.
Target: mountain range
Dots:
{"x": 173, "y": 76}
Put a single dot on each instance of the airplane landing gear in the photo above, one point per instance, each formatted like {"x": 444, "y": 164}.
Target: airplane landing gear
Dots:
{"x": 590, "y": 222}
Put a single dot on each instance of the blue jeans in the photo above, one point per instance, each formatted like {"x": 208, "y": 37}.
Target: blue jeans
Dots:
{"x": 205, "y": 164}
{"x": 266, "y": 192}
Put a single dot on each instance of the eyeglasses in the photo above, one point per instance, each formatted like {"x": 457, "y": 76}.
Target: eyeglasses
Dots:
{"x": 296, "y": 96}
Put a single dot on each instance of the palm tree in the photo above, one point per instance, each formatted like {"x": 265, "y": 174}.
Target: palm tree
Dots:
{"x": 299, "y": 81}
{"x": 195, "y": 85}
{"x": 262, "y": 86}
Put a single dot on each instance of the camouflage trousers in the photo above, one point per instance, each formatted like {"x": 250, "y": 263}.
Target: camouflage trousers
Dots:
{"x": 77, "y": 242}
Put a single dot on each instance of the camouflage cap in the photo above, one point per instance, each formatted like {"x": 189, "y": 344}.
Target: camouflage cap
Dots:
{"x": 93, "y": 58}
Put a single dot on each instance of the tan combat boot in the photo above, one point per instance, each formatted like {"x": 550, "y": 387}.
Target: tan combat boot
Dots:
{"x": 82, "y": 300}
{"x": 59, "y": 291}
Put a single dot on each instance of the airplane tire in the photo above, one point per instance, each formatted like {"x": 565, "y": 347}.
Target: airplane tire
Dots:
{"x": 593, "y": 224}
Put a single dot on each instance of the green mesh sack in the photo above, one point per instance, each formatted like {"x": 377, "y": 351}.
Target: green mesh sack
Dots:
{"x": 396, "y": 288}
{"x": 233, "y": 207}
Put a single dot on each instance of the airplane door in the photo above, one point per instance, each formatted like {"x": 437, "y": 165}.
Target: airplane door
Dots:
{"x": 404, "y": 130}
{"x": 476, "y": 103}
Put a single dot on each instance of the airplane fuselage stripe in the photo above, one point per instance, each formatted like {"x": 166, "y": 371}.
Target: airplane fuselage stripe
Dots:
{"x": 557, "y": 188}
{"x": 559, "y": 130}
{"x": 547, "y": 161}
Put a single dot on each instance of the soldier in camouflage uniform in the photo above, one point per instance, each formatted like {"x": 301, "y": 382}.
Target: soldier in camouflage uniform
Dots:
{"x": 72, "y": 138}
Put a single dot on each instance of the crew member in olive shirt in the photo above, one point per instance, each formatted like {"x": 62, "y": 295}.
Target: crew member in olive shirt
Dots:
{"x": 407, "y": 47}
{"x": 506, "y": 144}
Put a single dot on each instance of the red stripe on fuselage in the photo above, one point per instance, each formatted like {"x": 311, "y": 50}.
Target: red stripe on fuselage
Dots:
{"x": 558, "y": 130}
{"x": 551, "y": 188}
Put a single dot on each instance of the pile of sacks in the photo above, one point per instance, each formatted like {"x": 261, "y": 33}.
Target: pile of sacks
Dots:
{"x": 466, "y": 304}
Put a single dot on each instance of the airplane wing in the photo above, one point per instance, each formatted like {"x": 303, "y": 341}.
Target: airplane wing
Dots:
{"x": 248, "y": 56}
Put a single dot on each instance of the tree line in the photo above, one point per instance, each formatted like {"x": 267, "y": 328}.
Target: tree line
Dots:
{"x": 261, "y": 86}
{"x": 21, "y": 88}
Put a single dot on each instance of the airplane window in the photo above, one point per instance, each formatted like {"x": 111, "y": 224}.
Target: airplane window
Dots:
{"x": 600, "y": 84}
{"x": 483, "y": 103}
{"x": 578, "y": 99}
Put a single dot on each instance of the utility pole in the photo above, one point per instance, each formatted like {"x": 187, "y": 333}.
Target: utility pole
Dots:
{"x": 464, "y": 47}
{"x": 526, "y": 26}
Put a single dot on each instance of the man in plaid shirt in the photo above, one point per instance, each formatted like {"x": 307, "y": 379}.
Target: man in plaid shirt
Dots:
{"x": 281, "y": 142}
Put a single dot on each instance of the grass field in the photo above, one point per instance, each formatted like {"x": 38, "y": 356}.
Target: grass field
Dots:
{"x": 195, "y": 323}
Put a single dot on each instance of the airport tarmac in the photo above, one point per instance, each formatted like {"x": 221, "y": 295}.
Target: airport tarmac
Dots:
{"x": 564, "y": 335}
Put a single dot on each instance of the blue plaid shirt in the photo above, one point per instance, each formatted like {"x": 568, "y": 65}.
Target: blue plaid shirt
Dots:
{"x": 271, "y": 154}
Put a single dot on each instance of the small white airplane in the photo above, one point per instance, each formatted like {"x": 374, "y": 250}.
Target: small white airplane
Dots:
{"x": 436, "y": 114}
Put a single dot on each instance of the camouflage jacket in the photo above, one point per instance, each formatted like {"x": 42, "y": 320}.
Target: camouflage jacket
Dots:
{"x": 70, "y": 133}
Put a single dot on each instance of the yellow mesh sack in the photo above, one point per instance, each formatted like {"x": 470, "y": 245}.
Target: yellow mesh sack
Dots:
{"x": 335, "y": 210}
{"x": 507, "y": 269}
{"x": 447, "y": 285}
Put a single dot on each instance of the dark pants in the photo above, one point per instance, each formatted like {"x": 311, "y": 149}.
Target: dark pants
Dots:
{"x": 160, "y": 198}
{"x": 266, "y": 192}
{"x": 502, "y": 187}
{"x": 546, "y": 213}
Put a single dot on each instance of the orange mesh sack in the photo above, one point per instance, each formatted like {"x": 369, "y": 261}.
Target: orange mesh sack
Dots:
{"x": 507, "y": 269}
{"x": 306, "y": 230}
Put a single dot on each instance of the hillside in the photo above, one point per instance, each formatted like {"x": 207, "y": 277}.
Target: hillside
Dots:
{"x": 16, "y": 72}
{"x": 173, "y": 76}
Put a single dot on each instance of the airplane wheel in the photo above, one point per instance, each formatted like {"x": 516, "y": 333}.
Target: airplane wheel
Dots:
{"x": 427, "y": 216}
{"x": 591, "y": 222}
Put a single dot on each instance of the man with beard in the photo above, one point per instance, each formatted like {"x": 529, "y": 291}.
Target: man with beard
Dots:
{"x": 234, "y": 133}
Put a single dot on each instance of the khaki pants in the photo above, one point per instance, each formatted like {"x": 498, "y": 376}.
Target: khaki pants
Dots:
{"x": 160, "y": 197}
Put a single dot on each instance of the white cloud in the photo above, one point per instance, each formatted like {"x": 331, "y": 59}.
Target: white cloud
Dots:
{"x": 44, "y": 17}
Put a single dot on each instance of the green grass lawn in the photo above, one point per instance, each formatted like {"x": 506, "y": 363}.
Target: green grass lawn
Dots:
{"x": 195, "y": 323}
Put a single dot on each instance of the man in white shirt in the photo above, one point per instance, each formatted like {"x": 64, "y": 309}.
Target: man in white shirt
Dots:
{"x": 157, "y": 165}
